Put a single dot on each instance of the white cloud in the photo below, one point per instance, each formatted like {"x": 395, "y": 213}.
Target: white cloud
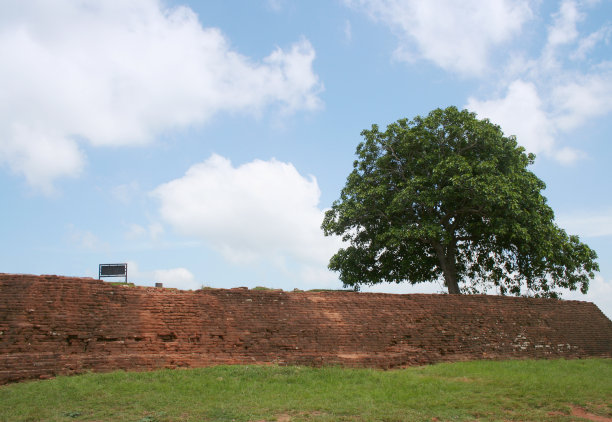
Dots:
{"x": 600, "y": 293}
{"x": 85, "y": 239}
{"x": 119, "y": 73}
{"x": 574, "y": 96}
{"x": 568, "y": 155}
{"x": 153, "y": 231}
{"x": 276, "y": 5}
{"x": 564, "y": 29}
{"x": 565, "y": 39}
{"x": 545, "y": 97}
{"x": 583, "y": 98}
{"x": 135, "y": 231}
{"x": 457, "y": 36}
{"x": 536, "y": 122}
{"x": 519, "y": 113}
{"x": 260, "y": 211}
{"x": 126, "y": 192}
{"x": 348, "y": 31}
{"x": 588, "y": 43}
{"x": 587, "y": 223}
{"x": 38, "y": 155}
{"x": 179, "y": 278}
{"x": 318, "y": 277}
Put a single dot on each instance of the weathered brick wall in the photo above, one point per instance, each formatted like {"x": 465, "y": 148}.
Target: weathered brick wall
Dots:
{"x": 57, "y": 325}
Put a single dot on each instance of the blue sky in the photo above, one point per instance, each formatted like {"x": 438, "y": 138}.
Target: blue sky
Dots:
{"x": 201, "y": 142}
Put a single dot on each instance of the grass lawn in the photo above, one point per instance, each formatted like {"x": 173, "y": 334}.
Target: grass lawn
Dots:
{"x": 524, "y": 390}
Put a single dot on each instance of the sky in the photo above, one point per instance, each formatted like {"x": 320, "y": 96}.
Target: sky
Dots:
{"x": 202, "y": 141}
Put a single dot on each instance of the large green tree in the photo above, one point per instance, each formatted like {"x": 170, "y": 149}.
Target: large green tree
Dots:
{"x": 449, "y": 197}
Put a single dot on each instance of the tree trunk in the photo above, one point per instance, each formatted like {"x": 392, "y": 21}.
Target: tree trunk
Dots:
{"x": 449, "y": 269}
{"x": 451, "y": 282}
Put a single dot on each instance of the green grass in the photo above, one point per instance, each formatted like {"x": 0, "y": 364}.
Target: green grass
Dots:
{"x": 486, "y": 390}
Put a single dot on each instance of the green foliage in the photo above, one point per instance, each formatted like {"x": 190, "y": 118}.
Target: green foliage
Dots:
{"x": 449, "y": 197}
{"x": 486, "y": 391}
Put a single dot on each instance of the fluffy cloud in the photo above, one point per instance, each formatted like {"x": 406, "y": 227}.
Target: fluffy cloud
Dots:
{"x": 120, "y": 72}
{"x": 85, "y": 239}
{"x": 588, "y": 43}
{"x": 583, "y": 98}
{"x": 38, "y": 154}
{"x": 537, "y": 119}
{"x": 179, "y": 278}
{"x": 153, "y": 231}
{"x": 522, "y": 113}
{"x": 519, "y": 113}
{"x": 545, "y": 96}
{"x": 564, "y": 29}
{"x": 456, "y": 36}
{"x": 552, "y": 95}
{"x": 259, "y": 211}
{"x": 125, "y": 193}
{"x": 600, "y": 293}
{"x": 587, "y": 223}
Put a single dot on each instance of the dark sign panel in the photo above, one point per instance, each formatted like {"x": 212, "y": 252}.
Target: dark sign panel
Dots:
{"x": 113, "y": 270}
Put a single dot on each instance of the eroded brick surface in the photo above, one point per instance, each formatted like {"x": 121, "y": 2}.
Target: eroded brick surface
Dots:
{"x": 53, "y": 325}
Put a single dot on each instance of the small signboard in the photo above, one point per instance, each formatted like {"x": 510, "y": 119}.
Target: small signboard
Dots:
{"x": 112, "y": 270}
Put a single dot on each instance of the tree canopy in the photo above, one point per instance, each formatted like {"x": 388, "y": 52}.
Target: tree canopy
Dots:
{"x": 449, "y": 197}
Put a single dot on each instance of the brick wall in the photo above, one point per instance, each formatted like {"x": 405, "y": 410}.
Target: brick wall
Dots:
{"x": 58, "y": 325}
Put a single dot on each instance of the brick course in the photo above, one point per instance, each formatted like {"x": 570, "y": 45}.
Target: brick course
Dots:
{"x": 53, "y": 325}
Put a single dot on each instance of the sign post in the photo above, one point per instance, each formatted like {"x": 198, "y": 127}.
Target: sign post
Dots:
{"x": 112, "y": 270}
